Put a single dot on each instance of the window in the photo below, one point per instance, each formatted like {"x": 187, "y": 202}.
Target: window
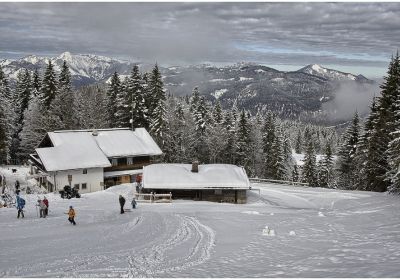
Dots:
{"x": 114, "y": 162}
{"x": 122, "y": 161}
{"x": 76, "y": 186}
{"x": 83, "y": 186}
{"x": 84, "y": 171}
{"x": 130, "y": 161}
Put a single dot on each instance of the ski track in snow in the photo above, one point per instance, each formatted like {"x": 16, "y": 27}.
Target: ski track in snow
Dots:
{"x": 337, "y": 234}
{"x": 149, "y": 260}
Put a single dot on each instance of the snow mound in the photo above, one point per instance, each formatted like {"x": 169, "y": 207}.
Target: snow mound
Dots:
{"x": 251, "y": 212}
{"x": 126, "y": 190}
{"x": 292, "y": 233}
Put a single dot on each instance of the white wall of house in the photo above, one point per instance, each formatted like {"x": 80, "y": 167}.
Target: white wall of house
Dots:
{"x": 94, "y": 179}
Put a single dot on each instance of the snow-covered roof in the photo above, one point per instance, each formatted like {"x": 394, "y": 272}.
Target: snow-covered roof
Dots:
{"x": 125, "y": 142}
{"x": 76, "y": 149}
{"x": 179, "y": 176}
{"x": 72, "y": 151}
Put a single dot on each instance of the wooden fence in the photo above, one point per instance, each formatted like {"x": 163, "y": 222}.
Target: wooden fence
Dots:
{"x": 261, "y": 180}
{"x": 153, "y": 197}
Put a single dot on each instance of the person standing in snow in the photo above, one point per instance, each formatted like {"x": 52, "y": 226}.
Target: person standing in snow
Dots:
{"x": 42, "y": 208}
{"x": 46, "y": 202}
{"x": 20, "y": 206}
{"x": 133, "y": 203}
{"x": 71, "y": 215}
{"x": 122, "y": 203}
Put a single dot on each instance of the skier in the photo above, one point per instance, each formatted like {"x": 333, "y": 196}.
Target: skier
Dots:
{"x": 133, "y": 203}
{"x": 46, "y": 202}
{"x": 71, "y": 215}
{"x": 16, "y": 185}
{"x": 20, "y": 206}
{"x": 122, "y": 203}
{"x": 42, "y": 208}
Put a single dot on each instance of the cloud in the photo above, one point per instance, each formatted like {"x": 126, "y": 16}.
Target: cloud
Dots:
{"x": 358, "y": 34}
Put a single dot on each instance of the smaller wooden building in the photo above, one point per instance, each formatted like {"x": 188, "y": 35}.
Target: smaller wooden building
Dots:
{"x": 211, "y": 182}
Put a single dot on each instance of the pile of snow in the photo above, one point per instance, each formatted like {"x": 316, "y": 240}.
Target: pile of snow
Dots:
{"x": 218, "y": 93}
{"x": 245, "y": 79}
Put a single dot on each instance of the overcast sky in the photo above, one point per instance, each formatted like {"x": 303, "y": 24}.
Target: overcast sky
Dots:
{"x": 353, "y": 37}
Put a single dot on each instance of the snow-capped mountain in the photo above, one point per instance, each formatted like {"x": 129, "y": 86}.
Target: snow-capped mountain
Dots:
{"x": 85, "y": 68}
{"x": 330, "y": 74}
{"x": 248, "y": 85}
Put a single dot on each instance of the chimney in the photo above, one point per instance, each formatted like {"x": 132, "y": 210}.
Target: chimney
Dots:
{"x": 195, "y": 166}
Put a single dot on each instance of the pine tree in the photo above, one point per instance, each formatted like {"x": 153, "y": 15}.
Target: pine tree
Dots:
{"x": 7, "y": 118}
{"x": 23, "y": 95}
{"x": 298, "y": 146}
{"x": 366, "y": 152}
{"x": 381, "y": 134}
{"x": 325, "y": 178}
{"x": 90, "y": 107}
{"x": 136, "y": 98}
{"x": 155, "y": 91}
{"x": 60, "y": 107}
{"x": 217, "y": 112}
{"x": 347, "y": 153}
{"x": 49, "y": 86}
{"x": 310, "y": 166}
{"x": 393, "y": 174}
{"x": 36, "y": 83}
{"x": 230, "y": 132}
{"x": 194, "y": 99}
{"x": 269, "y": 135}
{"x": 158, "y": 125}
{"x": 113, "y": 92}
{"x": 243, "y": 141}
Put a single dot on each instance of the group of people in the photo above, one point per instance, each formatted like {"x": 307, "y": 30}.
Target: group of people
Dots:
{"x": 122, "y": 203}
{"x": 43, "y": 205}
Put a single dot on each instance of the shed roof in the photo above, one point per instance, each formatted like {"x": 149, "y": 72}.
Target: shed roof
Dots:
{"x": 179, "y": 176}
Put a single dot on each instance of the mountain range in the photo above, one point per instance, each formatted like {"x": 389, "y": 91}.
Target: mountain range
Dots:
{"x": 246, "y": 85}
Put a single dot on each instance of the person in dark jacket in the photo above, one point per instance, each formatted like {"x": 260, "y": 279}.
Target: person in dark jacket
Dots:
{"x": 20, "y": 206}
{"x": 46, "y": 202}
{"x": 122, "y": 203}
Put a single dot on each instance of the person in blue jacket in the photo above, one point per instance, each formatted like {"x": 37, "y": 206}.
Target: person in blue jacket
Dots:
{"x": 20, "y": 206}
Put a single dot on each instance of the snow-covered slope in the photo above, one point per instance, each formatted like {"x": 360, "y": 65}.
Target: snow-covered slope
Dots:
{"x": 318, "y": 233}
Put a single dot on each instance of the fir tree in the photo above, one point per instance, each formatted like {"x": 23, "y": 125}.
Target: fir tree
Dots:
{"x": 269, "y": 135}
{"x": 114, "y": 91}
{"x": 347, "y": 153}
{"x": 243, "y": 141}
{"x": 326, "y": 175}
{"x": 298, "y": 146}
{"x": 49, "y": 86}
{"x": 381, "y": 134}
{"x": 310, "y": 166}
{"x": 155, "y": 91}
{"x": 7, "y": 118}
{"x": 36, "y": 83}
{"x": 136, "y": 98}
{"x": 60, "y": 107}
{"x": 23, "y": 94}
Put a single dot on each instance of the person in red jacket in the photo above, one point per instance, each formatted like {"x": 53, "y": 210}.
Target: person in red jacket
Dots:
{"x": 46, "y": 202}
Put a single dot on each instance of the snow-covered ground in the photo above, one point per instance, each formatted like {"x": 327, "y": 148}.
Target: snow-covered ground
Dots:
{"x": 318, "y": 233}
